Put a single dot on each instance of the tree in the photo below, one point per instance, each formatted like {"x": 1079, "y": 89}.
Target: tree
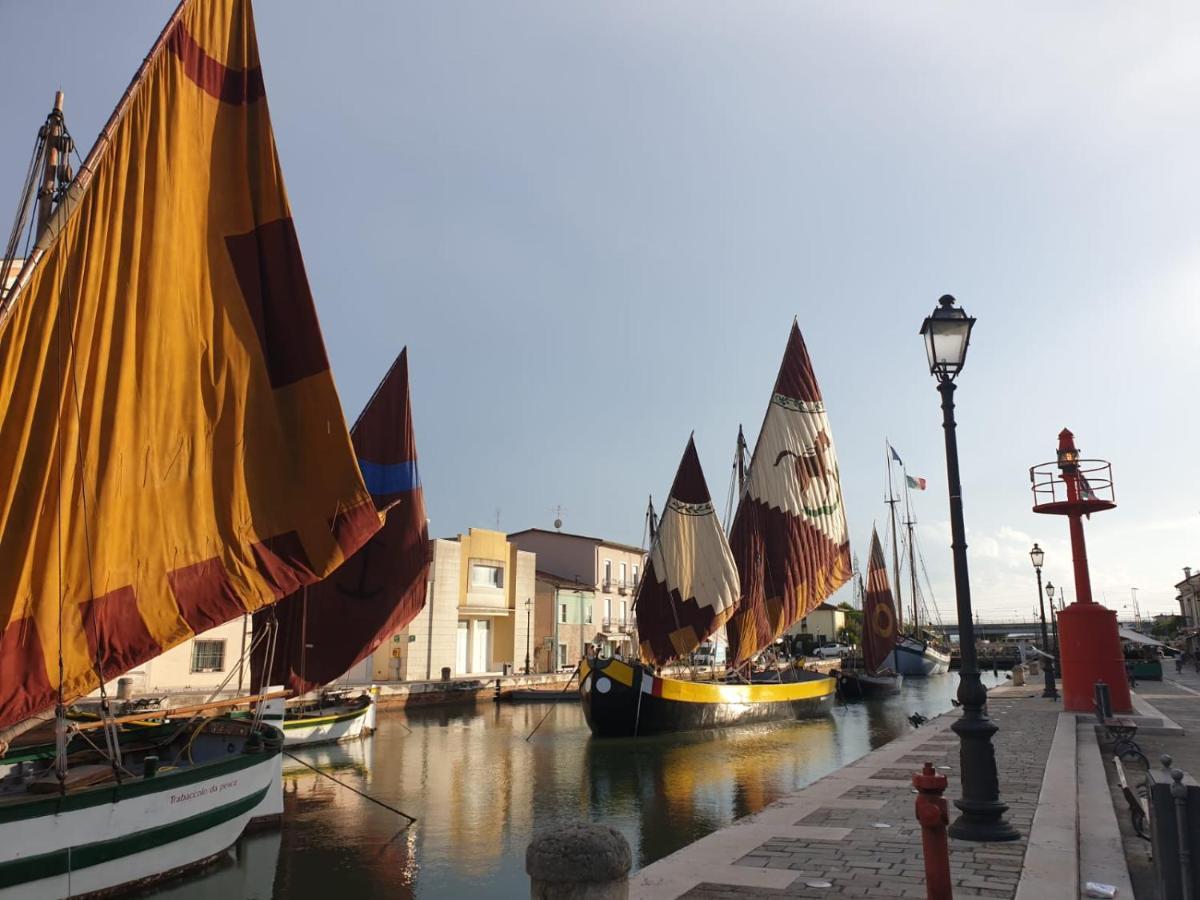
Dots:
{"x": 852, "y": 632}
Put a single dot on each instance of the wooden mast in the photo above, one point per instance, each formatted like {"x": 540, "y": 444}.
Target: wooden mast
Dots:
{"x": 912, "y": 560}
{"x": 892, "y": 500}
{"x": 45, "y": 195}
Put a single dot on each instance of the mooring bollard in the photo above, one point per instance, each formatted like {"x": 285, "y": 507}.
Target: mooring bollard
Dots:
{"x": 933, "y": 815}
{"x": 579, "y": 862}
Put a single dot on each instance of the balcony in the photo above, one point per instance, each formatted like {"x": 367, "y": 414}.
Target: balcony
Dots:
{"x": 617, "y": 626}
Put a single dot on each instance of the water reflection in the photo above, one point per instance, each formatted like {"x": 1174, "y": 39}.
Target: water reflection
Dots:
{"x": 480, "y": 789}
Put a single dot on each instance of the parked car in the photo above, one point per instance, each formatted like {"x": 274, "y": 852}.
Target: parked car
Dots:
{"x": 831, "y": 651}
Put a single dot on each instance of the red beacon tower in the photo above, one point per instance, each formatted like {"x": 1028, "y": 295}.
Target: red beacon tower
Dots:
{"x": 1088, "y": 639}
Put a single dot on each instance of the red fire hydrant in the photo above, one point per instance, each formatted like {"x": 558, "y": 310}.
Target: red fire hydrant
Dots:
{"x": 934, "y": 817}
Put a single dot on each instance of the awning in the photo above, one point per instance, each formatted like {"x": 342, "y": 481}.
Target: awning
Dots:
{"x": 1128, "y": 634}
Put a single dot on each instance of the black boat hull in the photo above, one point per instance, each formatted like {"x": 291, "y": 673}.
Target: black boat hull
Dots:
{"x": 623, "y": 699}
{"x": 861, "y": 686}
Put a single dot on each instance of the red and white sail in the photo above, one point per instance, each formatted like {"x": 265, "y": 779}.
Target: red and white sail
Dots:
{"x": 690, "y": 587}
{"x": 879, "y": 612}
{"x": 789, "y": 536}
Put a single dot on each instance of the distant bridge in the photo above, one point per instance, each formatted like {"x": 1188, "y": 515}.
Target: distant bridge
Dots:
{"x": 991, "y": 630}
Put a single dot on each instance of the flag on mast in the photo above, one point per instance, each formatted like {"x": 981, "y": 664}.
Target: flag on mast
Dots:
{"x": 915, "y": 483}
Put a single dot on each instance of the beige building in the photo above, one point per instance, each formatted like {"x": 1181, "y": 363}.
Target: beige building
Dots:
{"x": 590, "y": 583}
{"x": 475, "y": 617}
{"x": 822, "y": 625}
{"x": 1189, "y": 598}
{"x": 200, "y": 664}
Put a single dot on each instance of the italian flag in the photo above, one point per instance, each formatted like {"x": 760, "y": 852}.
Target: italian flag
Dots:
{"x": 918, "y": 483}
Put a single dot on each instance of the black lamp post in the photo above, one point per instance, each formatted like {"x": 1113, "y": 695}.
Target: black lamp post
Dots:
{"x": 1037, "y": 556}
{"x": 1053, "y": 618}
{"x": 947, "y": 332}
{"x": 528, "y": 617}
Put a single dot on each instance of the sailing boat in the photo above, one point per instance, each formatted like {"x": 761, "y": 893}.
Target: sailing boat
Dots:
{"x": 877, "y": 678}
{"x": 917, "y": 652}
{"x": 327, "y": 628}
{"x": 164, "y": 395}
{"x": 688, "y": 591}
{"x": 788, "y": 550}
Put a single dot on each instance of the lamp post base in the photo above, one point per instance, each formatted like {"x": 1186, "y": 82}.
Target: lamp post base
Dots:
{"x": 1050, "y": 692}
{"x": 981, "y": 810}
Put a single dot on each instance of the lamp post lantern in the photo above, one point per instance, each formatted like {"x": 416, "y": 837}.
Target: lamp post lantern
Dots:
{"x": 528, "y": 619}
{"x": 1037, "y": 556}
{"x": 947, "y": 333}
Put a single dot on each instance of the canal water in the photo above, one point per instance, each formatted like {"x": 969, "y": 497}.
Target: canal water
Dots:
{"x": 479, "y": 790}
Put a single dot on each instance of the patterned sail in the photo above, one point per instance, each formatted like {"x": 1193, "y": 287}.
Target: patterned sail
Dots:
{"x": 173, "y": 448}
{"x": 879, "y": 612}
{"x": 328, "y": 627}
{"x": 690, "y": 585}
{"x": 789, "y": 535}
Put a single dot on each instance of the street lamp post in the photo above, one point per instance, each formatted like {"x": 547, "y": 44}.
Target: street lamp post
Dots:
{"x": 1037, "y": 555}
{"x": 947, "y": 332}
{"x": 528, "y": 618}
{"x": 1053, "y": 618}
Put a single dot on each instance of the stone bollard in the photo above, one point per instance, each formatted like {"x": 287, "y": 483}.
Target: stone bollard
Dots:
{"x": 934, "y": 816}
{"x": 1018, "y": 676}
{"x": 578, "y": 862}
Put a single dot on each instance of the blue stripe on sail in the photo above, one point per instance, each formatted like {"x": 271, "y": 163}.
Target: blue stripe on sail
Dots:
{"x": 389, "y": 479}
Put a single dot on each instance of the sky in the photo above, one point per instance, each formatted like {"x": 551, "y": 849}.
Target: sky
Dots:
{"x": 592, "y": 225}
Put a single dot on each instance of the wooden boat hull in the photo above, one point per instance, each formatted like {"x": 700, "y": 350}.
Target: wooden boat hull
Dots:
{"x": 344, "y": 722}
{"x": 915, "y": 659}
{"x": 861, "y": 686}
{"x": 622, "y": 699}
{"x": 120, "y": 835}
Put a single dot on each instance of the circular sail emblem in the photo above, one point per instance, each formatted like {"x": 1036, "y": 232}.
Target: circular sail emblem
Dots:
{"x": 883, "y": 621}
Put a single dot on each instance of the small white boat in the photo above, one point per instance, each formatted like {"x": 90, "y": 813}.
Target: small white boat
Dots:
{"x": 328, "y": 720}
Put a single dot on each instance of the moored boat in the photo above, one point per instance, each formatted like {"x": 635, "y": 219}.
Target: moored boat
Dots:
{"x": 626, "y": 699}
{"x": 327, "y": 720}
{"x": 919, "y": 657}
{"x": 152, "y": 466}
{"x": 876, "y": 678}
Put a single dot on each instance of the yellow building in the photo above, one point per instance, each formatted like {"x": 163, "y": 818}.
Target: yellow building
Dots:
{"x": 475, "y": 616}
{"x": 822, "y": 625}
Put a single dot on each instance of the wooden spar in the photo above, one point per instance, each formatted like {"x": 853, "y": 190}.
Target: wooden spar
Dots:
{"x": 45, "y": 195}
{"x": 892, "y": 500}
{"x": 180, "y": 711}
{"x": 84, "y": 176}
{"x": 912, "y": 559}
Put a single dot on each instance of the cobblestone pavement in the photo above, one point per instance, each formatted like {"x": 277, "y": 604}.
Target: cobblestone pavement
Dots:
{"x": 881, "y": 856}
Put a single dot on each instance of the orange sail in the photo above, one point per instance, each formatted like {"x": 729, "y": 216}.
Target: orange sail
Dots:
{"x": 173, "y": 446}
{"x": 789, "y": 535}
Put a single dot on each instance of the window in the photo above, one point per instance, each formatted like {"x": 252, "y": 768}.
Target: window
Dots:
{"x": 624, "y": 611}
{"x": 487, "y": 575}
{"x": 607, "y": 572}
{"x": 562, "y": 614}
{"x": 588, "y": 609}
{"x": 562, "y": 656}
{"x": 623, "y": 574}
{"x": 635, "y": 576}
{"x": 208, "y": 656}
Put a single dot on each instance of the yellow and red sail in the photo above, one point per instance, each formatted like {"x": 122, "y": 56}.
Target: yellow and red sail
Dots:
{"x": 879, "y": 613}
{"x": 173, "y": 448}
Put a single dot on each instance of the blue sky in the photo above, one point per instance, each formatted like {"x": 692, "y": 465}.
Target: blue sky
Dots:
{"x": 592, "y": 225}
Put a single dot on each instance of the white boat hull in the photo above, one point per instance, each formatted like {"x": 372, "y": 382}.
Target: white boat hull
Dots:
{"x": 916, "y": 659}
{"x": 329, "y": 729}
{"x": 107, "y": 837}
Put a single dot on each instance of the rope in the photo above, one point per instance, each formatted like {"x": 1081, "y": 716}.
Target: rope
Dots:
{"x": 399, "y": 812}
{"x": 554, "y": 706}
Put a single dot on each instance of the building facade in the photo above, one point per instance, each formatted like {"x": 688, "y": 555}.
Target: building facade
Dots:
{"x": 822, "y": 625}
{"x": 589, "y": 584}
{"x": 479, "y": 605}
{"x": 200, "y": 664}
{"x": 1189, "y": 598}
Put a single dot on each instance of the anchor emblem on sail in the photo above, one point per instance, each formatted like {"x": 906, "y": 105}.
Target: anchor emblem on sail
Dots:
{"x": 360, "y": 590}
